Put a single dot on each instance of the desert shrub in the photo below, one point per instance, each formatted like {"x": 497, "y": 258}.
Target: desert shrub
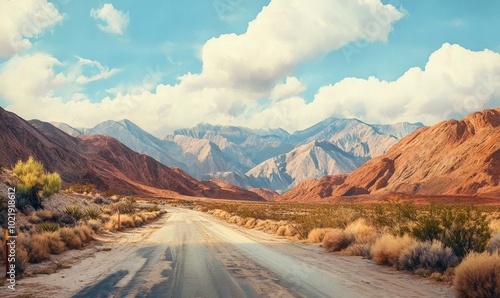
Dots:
{"x": 427, "y": 257}
{"x": 35, "y": 183}
{"x": 84, "y": 232}
{"x": 363, "y": 233}
{"x": 74, "y": 211}
{"x": 64, "y": 219}
{"x": 92, "y": 212}
{"x": 281, "y": 231}
{"x": 39, "y": 248}
{"x": 357, "y": 249}
{"x": 108, "y": 193}
{"x": 155, "y": 208}
{"x": 94, "y": 224}
{"x": 478, "y": 276}
{"x": 127, "y": 221}
{"x": 233, "y": 219}
{"x": 242, "y": 221}
{"x": 70, "y": 238}
{"x": 82, "y": 188}
{"x": 316, "y": 235}
{"x": 22, "y": 259}
{"x": 125, "y": 207}
{"x": 394, "y": 215}
{"x": 428, "y": 226}
{"x": 56, "y": 246}
{"x": 290, "y": 231}
{"x": 495, "y": 243}
{"x": 34, "y": 219}
{"x": 495, "y": 226}
{"x": 387, "y": 249}
{"x": 111, "y": 224}
{"x": 250, "y": 223}
{"x": 138, "y": 220}
{"x": 98, "y": 200}
{"x": 47, "y": 227}
{"x": 465, "y": 230}
{"x": 337, "y": 240}
{"x": 45, "y": 214}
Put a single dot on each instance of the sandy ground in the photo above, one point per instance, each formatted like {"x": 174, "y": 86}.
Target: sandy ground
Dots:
{"x": 191, "y": 254}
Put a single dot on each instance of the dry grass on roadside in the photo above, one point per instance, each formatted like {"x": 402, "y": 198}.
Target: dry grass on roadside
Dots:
{"x": 478, "y": 276}
{"x": 38, "y": 248}
{"x": 427, "y": 257}
{"x": 317, "y": 235}
{"x": 337, "y": 240}
{"x": 71, "y": 239}
{"x": 387, "y": 249}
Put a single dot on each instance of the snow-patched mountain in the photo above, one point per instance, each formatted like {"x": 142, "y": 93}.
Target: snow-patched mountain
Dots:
{"x": 257, "y": 158}
{"x": 257, "y": 145}
{"x": 449, "y": 159}
{"x": 354, "y": 136}
{"x": 312, "y": 160}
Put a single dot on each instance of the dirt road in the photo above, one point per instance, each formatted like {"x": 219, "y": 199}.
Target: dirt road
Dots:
{"x": 190, "y": 254}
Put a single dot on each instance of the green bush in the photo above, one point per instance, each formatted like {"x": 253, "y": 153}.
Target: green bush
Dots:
{"x": 92, "y": 212}
{"x": 465, "y": 230}
{"x": 35, "y": 183}
{"x": 47, "y": 227}
{"x": 74, "y": 211}
{"x": 125, "y": 207}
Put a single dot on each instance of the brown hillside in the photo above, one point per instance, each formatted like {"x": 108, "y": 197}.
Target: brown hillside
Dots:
{"x": 100, "y": 160}
{"x": 450, "y": 158}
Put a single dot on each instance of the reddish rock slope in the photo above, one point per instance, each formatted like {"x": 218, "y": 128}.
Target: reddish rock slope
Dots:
{"x": 450, "y": 158}
{"x": 100, "y": 160}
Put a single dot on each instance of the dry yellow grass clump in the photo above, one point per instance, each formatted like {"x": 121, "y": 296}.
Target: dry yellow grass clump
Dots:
{"x": 337, "y": 240}
{"x": 478, "y": 276}
{"x": 281, "y": 231}
{"x": 70, "y": 238}
{"x": 38, "y": 248}
{"x": 127, "y": 221}
{"x": 316, "y": 235}
{"x": 250, "y": 224}
{"x": 363, "y": 233}
{"x": 56, "y": 246}
{"x": 495, "y": 226}
{"x": 387, "y": 248}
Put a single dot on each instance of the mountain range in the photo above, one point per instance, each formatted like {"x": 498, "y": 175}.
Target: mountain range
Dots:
{"x": 102, "y": 161}
{"x": 454, "y": 157}
{"x": 259, "y": 158}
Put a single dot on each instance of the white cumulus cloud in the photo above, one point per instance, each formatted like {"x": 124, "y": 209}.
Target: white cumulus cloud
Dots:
{"x": 454, "y": 83}
{"x": 21, "y": 21}
{"x": 110, "y": 19}
{"x": 291, "y": 87}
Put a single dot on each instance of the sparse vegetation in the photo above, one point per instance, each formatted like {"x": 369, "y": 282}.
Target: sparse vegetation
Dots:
{"x": 82, "y": 188}
{"x": 92, "y": 212}
{"x": 35, "y": 183}
{"x": 74, "y": 211}
{"x": 478, "y": 276}
{"x": 427, "y": 257}
{"x": 47, "y": 227}
{"x": 429, "y": 240}
{"x": 337, "y": 240}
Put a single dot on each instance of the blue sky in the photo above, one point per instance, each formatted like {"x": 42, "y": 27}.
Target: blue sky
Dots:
{"x": 289, "y": 64}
